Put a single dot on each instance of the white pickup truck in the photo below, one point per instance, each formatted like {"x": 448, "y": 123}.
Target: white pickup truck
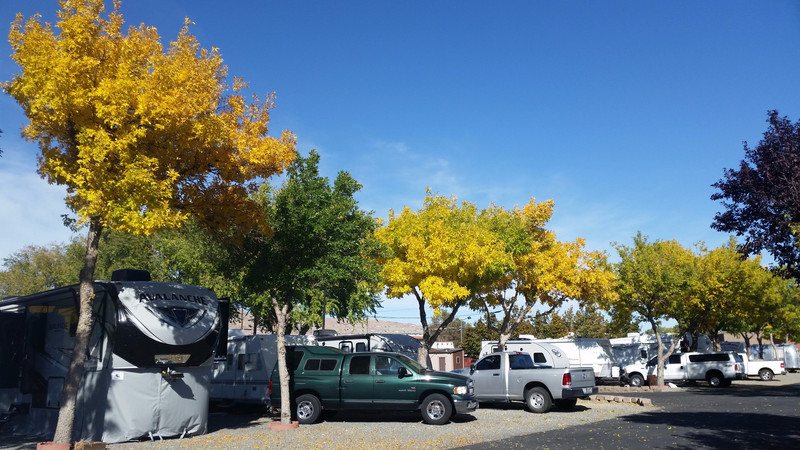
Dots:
{"x": 514, "y": 376}
{"x": 763, "y": 368}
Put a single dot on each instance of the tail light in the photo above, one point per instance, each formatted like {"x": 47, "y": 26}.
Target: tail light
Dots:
{"x": 270, "y": 387}
{"x": 566, "y": 380}
{"x": 736, "y": 367}
{"x": 783, "y": 365}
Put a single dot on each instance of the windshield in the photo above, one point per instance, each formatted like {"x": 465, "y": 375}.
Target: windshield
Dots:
{"x": 413, "y": 365}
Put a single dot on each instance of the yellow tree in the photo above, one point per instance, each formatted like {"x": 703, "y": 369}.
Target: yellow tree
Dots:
{"x": 142, "y": 136}
{"x": 441, "y": 255}
{"x": 543, "y": 272}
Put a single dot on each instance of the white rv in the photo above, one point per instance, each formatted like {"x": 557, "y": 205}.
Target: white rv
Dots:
{"x": 581, "y": 352}
{"x": 243, "y": 376}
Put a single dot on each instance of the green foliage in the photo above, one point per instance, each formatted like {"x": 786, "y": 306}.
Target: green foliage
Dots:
{"x": 39, "y": 268}
{"x": 321, "y": 250}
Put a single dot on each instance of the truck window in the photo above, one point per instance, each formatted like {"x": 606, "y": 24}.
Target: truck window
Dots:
{"x": 709, "y": 357}
{"x": 539, "y": 357}
{"x": 520, "y": 361}
{"x": 318, "y": 364}
{"x": 489, "y": 363}
{"x": 385, "y": 365}
{"x": 674, "y": 359}
{"x": 359, "y": 365}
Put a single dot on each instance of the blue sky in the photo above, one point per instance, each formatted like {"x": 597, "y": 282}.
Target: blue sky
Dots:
{"x": 622, "y": 112}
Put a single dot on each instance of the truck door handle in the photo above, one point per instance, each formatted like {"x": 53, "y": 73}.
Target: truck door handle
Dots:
{"x": 495, "y": 374}
{"x": 380, "y": 381}
{"x": 348, "y": 381}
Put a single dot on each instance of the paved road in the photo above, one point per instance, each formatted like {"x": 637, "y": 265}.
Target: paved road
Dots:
{"x": 748, "y": 415}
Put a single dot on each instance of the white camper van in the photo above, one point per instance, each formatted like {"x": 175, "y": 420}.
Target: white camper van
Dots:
{"x": 581, "y": 352}
{"x": 243, "y": 377}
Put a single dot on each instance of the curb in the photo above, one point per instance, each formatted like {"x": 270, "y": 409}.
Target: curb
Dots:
{"x": 641, "y": 401}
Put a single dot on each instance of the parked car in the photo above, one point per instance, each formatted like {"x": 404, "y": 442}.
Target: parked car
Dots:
{"x": 514, "y": 376}
{"x": 326, "y": 378}
{"x": 716, "y": 368}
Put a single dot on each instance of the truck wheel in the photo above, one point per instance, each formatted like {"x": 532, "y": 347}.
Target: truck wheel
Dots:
{"x": 637, "y": 380}
{"x": 308, "y": 408}
{"x": 766, "y": 374}
{"x": 714, "y": 379}
{"x": 565, "y": 404}
{"x": 436, "y": 409}
{"x": 538, "y": 400}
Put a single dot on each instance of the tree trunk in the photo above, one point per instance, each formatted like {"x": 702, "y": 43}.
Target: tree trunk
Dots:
{"x": 504, "y": 337}
{"x": 66, "y": 415}
{"x": 281, "y": 313}
{"x": 429, "y": 338}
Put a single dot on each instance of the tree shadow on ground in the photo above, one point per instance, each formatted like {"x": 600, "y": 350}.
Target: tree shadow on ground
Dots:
{"x": 731, "y": 430}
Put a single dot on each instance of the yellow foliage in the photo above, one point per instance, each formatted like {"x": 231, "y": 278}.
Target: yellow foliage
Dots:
{"x": 142, "y": 136}
{"x": 440, "y": 252}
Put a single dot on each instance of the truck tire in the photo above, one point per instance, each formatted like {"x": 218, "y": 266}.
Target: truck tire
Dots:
{"x": 715, "y": 379}
{"x": 308, "y": 408}
{"x": 766, "y": 374}
{"x": 436, "y": 409}
{"x": 636, "y": 380}
{"x": 565, "y": 404}
{"x": 538, "y": 400}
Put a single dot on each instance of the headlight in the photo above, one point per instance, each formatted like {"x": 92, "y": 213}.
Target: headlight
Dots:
{"x": 460, "y": 390}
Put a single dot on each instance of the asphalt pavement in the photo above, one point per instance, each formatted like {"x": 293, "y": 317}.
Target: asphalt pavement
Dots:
{"x": 747, "y": 415}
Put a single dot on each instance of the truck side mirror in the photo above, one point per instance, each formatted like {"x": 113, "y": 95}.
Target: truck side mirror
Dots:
{"x": 472, "y": 368}
{"x": 402, "y": 372}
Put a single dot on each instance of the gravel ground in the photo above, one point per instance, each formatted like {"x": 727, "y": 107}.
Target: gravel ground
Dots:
{"x": 351, "y": 430}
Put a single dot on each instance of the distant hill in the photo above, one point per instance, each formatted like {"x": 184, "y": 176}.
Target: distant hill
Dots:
{"x": 371, "y": 326}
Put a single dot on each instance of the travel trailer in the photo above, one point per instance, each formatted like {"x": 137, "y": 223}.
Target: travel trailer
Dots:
{"x": 636, "y": 348}
{"x": 581, "y": 352}
{"x": 147, "y": 368}
{"x": 373, "y": 342}
{"x": 243, "y": 375}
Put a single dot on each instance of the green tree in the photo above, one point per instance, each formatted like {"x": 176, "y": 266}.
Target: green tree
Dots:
{"x": 142, "y": 138}
{"x": 39, "y": 268}
{"x": 655, "y": 279}
{"x": 321, "y": 248}
{"x": 587, "y": 322}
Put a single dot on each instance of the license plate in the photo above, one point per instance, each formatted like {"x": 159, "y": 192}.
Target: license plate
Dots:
{"x": 587, "y": 390}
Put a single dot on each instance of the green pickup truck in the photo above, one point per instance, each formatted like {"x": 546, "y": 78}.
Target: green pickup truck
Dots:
{"x": 325, "y": 378}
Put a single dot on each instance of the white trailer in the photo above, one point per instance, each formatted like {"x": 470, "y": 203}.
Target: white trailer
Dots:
{"x": 243, "y": 376}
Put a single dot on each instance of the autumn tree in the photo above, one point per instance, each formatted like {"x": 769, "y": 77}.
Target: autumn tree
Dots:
{"x": 654, "y": 280}
{"x": 761, "y": 199}
{"x": 321, "y": 250}
{"x": 441, "y": 255}
{"x": 143, "y": 137}
{"x": 543, "y": 271}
